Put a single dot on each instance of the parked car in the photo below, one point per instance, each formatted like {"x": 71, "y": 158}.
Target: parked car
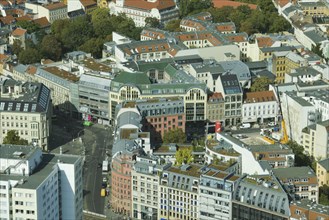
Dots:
{"x": 271, "y": 124}
{"x": 245, "y": 125}
{"x": 241, "y": 136}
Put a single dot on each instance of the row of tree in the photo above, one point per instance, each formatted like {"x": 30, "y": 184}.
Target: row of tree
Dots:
{"x": 87, "y": 33}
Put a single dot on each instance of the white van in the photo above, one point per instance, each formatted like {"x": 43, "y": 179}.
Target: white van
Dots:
{"x": 245, "y": 125}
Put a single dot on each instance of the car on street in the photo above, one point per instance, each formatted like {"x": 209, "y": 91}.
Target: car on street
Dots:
{"x": 245, "y": 125}
{"x": 271, "y": 124}
{"x": 241, "y": 136}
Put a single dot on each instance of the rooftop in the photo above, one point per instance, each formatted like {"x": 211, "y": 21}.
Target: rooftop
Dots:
{"x": 61, "y": 73}
{"x": 294, "y": 173}
{"x": 325, "y": 164}
{"x": 8, "y": 151}
{"x": 192, "y": 170}
{"x": 264, "y": 96}
{"x": 92, "y": 64}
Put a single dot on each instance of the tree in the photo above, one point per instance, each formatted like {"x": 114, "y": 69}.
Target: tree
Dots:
{"x": 101, "y": 21}
{"x": 30, "y": 26}
{"x": 17, "y": 47}
{"x": 260, "y": 84}
{"x": 152, "y": 22}
{"x": 301, "y": 159}
{"x": 221, "y": 14}
{"x": 324, "y": 195}
{"x": 193, "y": 6}
{"x": 13, "y": 138}
{"x": 173, "y": 26}
{"x": 93, "y": 46}
{"x": 51, "y": 48}
{"x": 29, "y": 55}
{"x": 184, "y": 156}
{"x": 174, "y": 136}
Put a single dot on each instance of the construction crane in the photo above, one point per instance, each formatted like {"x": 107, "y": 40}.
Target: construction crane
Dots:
{"x": 284, "y": 139}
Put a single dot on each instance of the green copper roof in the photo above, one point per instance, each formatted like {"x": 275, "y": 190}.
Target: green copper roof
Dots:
{"x": 136, "y": 78}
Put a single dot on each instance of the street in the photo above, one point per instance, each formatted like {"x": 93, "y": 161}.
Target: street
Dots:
{"x": 70, "y": 137}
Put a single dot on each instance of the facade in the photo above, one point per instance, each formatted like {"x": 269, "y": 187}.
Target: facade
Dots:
{"x": 260, "y": 107}
{"x": 94, "y": 97}
{"x": 315, "y": 140}
{"x": 26, "y": 108}
{"x": 215, "y": 108}
{"x": 40, "y": 186}
{"x": 161, "y": 115}
{"x": 322, "y": 172}
{"x": 52, "y": 12}
{"x": 145, "y": 187}
{"x": 18, "y": 34}
{"x": 216, "y": 195}
{"x": 139, "y": 10}
{"x": 305, "y": 209}
{"x": 63, "y": 86}
{"x": 179, "y": 197}
{"x": 301, "y": 182}
{"x": 232, "y": 92}
{"x": 260, "y": 197}
{"x": 133, "y": 86}
{"x": 284, "y": 62}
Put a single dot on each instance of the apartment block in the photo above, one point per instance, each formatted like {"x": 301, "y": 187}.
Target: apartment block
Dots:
{"x": 322, "y": 172}
{"x": 216, "y": 195}
{"x": 138, "y": 10}
{"x": 315, "y": 140}
{"x": 260, "y": 197}
{"x": 260, "y": 107}
{"x": 215, "y": 107}
{"x": 145, "y": 187}
{"x": 301, "y": 182}
{"x": 26, "y": 108}
{"x": 39, "y": 186}
{"x": 305, "y": 209}
{"x": 52, "y": 12}
{"x": 179, "y": 196}
{"x": 63, "y": 86}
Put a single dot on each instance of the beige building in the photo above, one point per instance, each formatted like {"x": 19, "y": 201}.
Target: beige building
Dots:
{"x": 215, "y": 107}
{"x": 18, "y": 34}
{"x": 315, "y": 140}
{"x": 26, "y": 108}
{"x": 314, "y": 8}
{"x": 322, "y": 172}
{"x": 52, "y": 12}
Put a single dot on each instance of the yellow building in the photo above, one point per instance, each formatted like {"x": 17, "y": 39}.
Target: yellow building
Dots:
{"x": 322, "y": 172}
{"x": 284, "y": 62}
{"x": 102, "y": 3}
{"x": 314, "y": 8}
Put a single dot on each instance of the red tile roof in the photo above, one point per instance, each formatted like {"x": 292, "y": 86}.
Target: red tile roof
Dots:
{"x": 18, "y": 32}
{"x": 31, "y": 70}
{"x": 24, "y": 18}
{"x": 9, "y": 19}
{"x": 265, "y": 96}
{"x": 145, "y": 5}
{"x": 55, "y": 6}
{"x": 223, "y": 3}
{"x": 88, "y": 3}
{"x": 264, "y": 41}
{"x": 42, "y": 22}
{"x": 3, "y": 57}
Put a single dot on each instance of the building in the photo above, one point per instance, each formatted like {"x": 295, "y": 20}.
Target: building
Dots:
{"x": 179, "y": 196}
{"x": 315, "y": 140}
{"x": 128, "y": 86}
{"x": 18, "y": 34}
{"x": 63, "y": 86}
{"x": 94, "y": 97}
{"x": 232, "y": 92}
{"x": 26, "y": 108}
{"x": 322, "y": 172}
{"x": 145, "y": 187}
{"x": 305, "y": 74}
{"x": 139, "y": 10}
{"x": 284, "y": 62}
{"x": 311, "y": 101}
{"x": 161, "y": 115}
{"x": 260, "y": 107}
{"x": 39, "y": 186}
{"x": 216, "y": 194}
{"x": 301, "y": 182}
{"x": 215, "y": 107}
{"x": 260, "y": 197}
{"x": 314, "y": 8}
{"x": 52, "y": 11}
{"x": 306, "y": 209}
